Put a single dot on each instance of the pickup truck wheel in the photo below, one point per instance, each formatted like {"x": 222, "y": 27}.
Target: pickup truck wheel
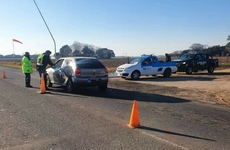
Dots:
{"x": 167, "y": 73}
{"x": 211, "y": 69}
{"x": 135, "y": 75}
{"x": 189, "y": 70}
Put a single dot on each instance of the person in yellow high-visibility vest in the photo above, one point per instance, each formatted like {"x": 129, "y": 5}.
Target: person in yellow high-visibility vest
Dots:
{"x": 27, "y": 69}
{"x": 42, "y": 61}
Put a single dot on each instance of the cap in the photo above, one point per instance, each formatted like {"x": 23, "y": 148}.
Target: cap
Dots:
{"x": 27, "y": 53}
{"x": 48, "y": 52}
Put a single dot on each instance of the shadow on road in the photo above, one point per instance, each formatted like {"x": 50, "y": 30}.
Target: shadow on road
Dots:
{"x": 120, "y": 94}
{"x": 173, "y": 133}
{"x": 173, "y": 78}
{"x": 215, "y": 73}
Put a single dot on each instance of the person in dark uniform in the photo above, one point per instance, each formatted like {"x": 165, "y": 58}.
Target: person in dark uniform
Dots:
{"x": 42, "y": 61}
{"x": 167, "y": 57}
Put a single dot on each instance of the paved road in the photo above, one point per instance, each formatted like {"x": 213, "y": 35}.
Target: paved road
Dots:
{"x": 92, "y": 120}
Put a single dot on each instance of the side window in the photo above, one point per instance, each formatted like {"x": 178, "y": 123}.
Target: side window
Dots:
{"x": 67, "y": 62}
{"x": 89, "y": 63}
{"x": 203, "y": 56}
{"x": 197, "y": 57}
{"x": 148, "y": 61}
{"x": 59, "y": 63}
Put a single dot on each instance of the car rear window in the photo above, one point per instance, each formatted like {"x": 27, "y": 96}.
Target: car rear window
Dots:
{"x": 89, "y": 63}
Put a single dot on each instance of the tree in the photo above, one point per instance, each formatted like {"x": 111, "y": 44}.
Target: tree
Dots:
{"x": 176, "y": 53}
{"x": 87, "y": 51}
{"x": 103, "y": 53}
{"x": 197, "y": 47}
{"x": 77, "y": 52}
{"x": 228, "y": 39}
{"x": 227, "y": 46}
{"x": 65, "y": 51}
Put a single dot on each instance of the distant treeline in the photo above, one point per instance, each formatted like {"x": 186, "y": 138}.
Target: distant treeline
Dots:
{"x": 213, "y": 51}
{"x": 87, "y": 50}
{"x": 18, "y": 56}
{"x": 81, "y": 49}
{"x": 216, "y": 50}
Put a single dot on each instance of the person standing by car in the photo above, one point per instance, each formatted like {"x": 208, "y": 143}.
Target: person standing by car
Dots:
{"x": 42, "y": 61}
{"x": 167, "y": 57}
{"x": 27, "y": 68}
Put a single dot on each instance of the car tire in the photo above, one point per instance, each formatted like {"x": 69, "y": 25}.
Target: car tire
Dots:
{"x": 49, "y": 83}
{"x": 211, "y": 69}
{"x": 135, "y": 75}
{"x": 69, "y": 86}
{"x": 167, "y": 73}
{"x": 189, "y": 70}
{"x": 102, "y": 88}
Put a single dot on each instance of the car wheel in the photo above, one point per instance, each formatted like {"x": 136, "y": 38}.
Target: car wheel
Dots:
{"x": 167, "y": 73}
{"x": 135, "y": 75}
{"x": 211, "y": 69}
{"x": 189, "y": 70}
{"x": 102, "y": 88}
{"x": 49, "y": 83}
{"x": 69, "y": 86}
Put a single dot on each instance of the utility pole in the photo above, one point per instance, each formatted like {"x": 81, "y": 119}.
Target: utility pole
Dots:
{"x": 47, "y": 28}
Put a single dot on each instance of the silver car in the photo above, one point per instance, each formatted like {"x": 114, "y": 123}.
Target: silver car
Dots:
{"x": 72, "y": 72}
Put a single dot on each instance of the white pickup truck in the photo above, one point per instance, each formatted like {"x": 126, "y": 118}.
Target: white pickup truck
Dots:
{"x": 146, "y": 65}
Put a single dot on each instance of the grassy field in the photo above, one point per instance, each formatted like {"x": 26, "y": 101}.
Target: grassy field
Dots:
{"x": 111, "y": 64}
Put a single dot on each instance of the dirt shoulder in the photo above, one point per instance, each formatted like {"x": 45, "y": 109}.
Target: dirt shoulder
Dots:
{"x": 203, "y": 87}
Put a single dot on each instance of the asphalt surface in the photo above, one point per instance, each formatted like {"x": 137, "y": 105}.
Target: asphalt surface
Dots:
{"x": 88, "y": 119}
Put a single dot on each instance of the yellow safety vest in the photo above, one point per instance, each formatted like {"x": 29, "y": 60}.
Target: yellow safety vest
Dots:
{"x": 26, "y": 65}
{"x": 40, "y": 59}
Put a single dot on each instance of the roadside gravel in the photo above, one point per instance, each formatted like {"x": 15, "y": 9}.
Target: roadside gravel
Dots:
{"x": 203, "y": 87}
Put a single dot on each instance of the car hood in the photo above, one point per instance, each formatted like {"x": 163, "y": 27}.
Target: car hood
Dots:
{"x": 126, "y": 65}
{"x": 177, "y": 60}
{"x": 180, "y": 60}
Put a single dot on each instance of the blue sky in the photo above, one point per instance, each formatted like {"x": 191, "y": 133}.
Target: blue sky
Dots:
{"x": 129, "y": 27}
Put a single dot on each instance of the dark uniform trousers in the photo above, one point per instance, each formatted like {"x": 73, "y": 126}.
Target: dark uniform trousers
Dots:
{"x": 42, "y": 70}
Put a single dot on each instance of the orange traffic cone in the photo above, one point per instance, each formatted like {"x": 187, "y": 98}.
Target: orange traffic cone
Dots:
{"x": 3, "y": 74}
{"x": 42, "y": 85}
{"x": 134, "y": 119}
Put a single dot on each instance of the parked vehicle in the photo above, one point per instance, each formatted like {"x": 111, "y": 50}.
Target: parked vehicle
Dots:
{"x": 72, "y": 72}
{"x": 194, "y": 62}
{"x": 146, "y": 65}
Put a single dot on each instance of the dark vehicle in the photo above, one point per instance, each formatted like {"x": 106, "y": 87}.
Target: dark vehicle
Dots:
{"x": 72, "y": 72}
{"x": 194, "y": 62}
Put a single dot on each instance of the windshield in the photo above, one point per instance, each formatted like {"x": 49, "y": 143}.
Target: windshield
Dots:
{"x": 187, "y": 56}
{"x": 89, "y": 63}
{"x": 136, "y": 60}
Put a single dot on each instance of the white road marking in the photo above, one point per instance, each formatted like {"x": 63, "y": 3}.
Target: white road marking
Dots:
{"x": 164, "y": 140}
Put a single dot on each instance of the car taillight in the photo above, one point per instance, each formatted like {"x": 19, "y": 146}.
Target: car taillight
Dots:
{"x": 77, "y": 71}
{"x": 106, "y": 70}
